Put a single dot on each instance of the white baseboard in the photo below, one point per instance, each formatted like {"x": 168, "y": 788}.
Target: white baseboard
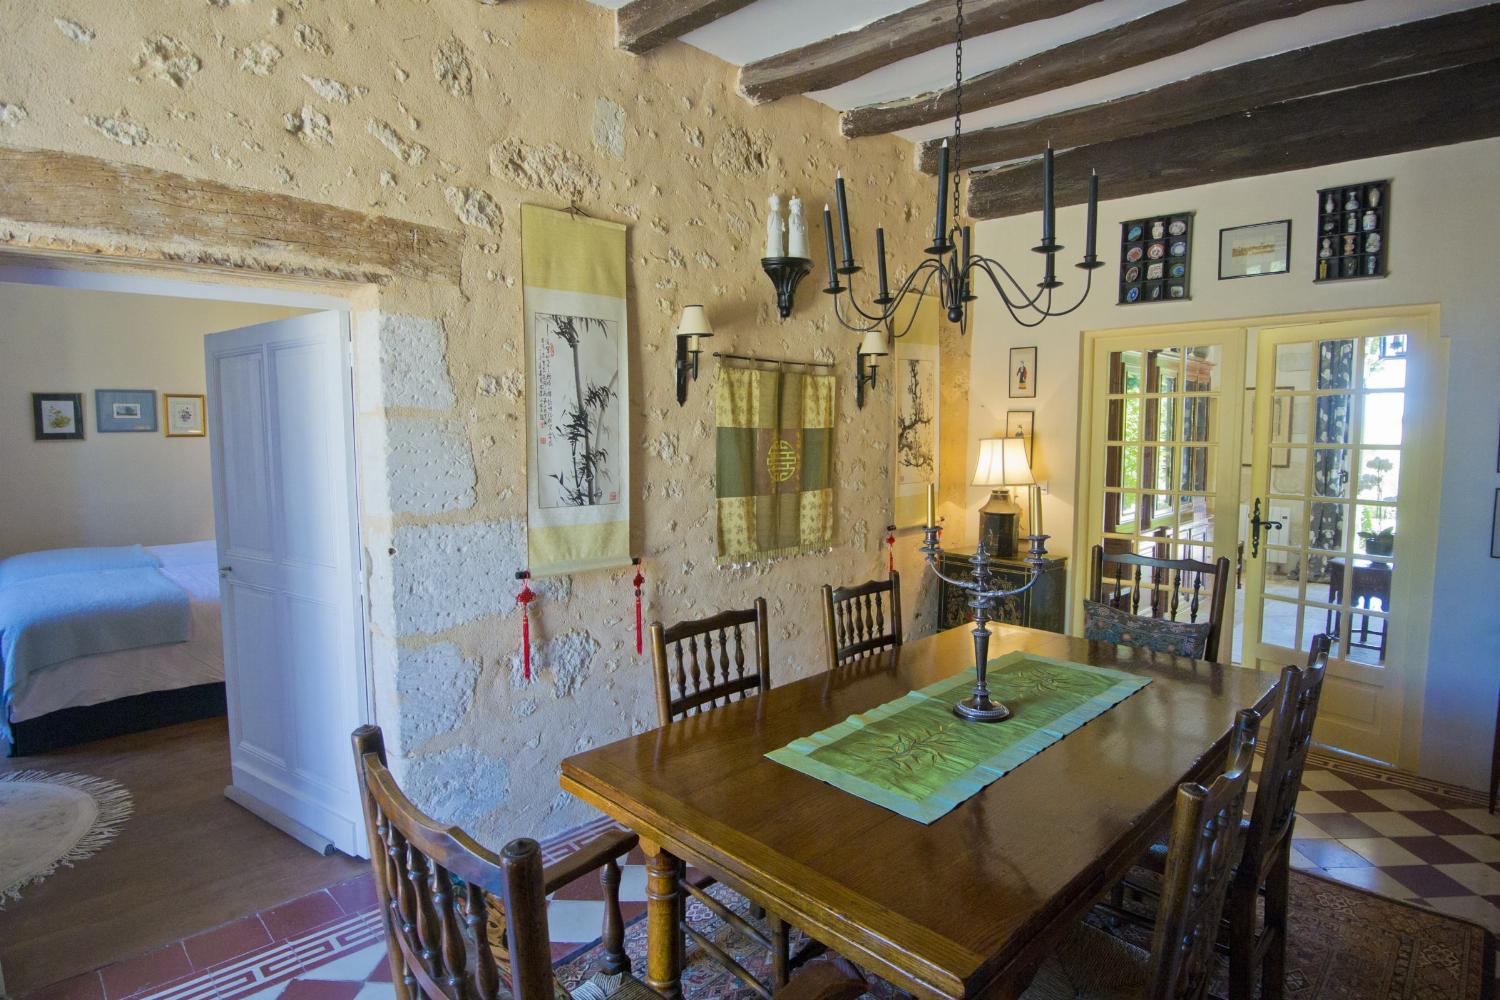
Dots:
{"x": 279, "y": 819}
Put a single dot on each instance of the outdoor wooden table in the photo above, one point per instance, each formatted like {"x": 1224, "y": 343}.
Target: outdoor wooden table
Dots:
{"x": 964, "y": 907}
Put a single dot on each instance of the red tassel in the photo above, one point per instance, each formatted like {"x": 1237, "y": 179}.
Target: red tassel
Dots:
{"x": 524, "y": 599}
{"x": 639, "y": 579}
{"x": 890, "y": 541}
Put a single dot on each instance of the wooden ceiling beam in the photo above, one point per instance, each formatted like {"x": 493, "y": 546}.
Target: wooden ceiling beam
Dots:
{"x": 642, "y": 25}
{"x": 849, "y": 55}
{"x": 1167, "y": 32}
{"x": 1435, "y": 109}
{"x": 1456, "y": 39}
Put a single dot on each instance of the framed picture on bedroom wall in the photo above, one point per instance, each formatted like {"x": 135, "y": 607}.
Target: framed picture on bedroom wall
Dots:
{"x": 184, "y": 414}
{"x": 125, "y": 411}
{"x": 1023, "y": 373}
{"x": 57, "y": 416}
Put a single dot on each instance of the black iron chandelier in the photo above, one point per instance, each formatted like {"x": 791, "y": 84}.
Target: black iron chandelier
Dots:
{"x": 951, "y": 262}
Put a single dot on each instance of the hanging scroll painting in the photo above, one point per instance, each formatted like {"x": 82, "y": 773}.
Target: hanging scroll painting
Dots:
{"x": 577, "y": 449}
{"x": 914, "y": 375}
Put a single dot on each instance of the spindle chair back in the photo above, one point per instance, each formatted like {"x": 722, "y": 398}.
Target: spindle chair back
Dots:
{"x": 862, "y": 619}
{"x": 1175, "y": 589}
{"x": 706, "y": 662}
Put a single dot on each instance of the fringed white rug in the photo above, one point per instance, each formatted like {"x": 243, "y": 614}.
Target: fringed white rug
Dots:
{"x": 49, "y": 819}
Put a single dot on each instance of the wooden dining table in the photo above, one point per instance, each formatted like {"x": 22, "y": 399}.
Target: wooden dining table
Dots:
{"x": 966, "y": 906}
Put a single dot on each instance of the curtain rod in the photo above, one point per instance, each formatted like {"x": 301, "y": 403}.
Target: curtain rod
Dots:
{"x": 773, "y": 361}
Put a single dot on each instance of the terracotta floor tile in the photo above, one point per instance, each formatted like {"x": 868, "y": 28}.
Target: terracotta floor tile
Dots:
{"x": 320, "y": 989}
{"x": 223, "y": 943}
{"x": 1436, "y": 850}
{"x": 1329, "y": 854}
{"x": 356, "y": 895}
{"x": 154, "y": 968}
{"x": 1481, "y": 820}
{"x": 1440, "y": 822}
{"x": 1318, "y": 779}
{"x": 301, "y": 915}
{"x": 1426, "y": 881}
{"x": 1478, "y": 878}
{"x": 1479, "y": 846}
{"x": 1373, "y": 879}
{"x": 1382, "y": 852}
{"x": 1399, "y": 799}
{"x": 1393, "y": 824}
{"x": 1355, "y": 802}
{"x": 1341, "y": 826}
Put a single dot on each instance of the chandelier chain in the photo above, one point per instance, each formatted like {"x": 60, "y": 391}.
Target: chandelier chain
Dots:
{"x": 958, "y": 102}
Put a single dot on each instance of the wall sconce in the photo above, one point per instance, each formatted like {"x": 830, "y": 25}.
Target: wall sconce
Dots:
{"x": 875, "y": 345}
{"x": 1002, "y": 462}
{"x": 693, "y": 325}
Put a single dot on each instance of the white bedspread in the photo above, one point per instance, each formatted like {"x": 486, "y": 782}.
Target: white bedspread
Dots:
{"x": 89, "y": 680}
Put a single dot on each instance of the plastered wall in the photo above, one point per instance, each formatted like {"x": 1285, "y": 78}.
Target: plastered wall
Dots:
{"x": 453, "y": 113}
{"x": 108, "y": 489}
{"x": 1442, "y": 219}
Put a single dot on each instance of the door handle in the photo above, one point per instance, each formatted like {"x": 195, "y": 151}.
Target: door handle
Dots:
{"x": 1257, "y": 525}
{"x": 225, "y": 570}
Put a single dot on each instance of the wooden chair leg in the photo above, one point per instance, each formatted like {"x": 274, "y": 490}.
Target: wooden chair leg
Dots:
{"x": 1273, "y": 971}
{"x": 1240, "y": 913}
{"x": 613, "y": 935}
{"x": 781, "y": 951}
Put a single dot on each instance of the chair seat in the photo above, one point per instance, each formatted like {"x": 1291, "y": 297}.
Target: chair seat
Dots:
{"x": 620, "y": 987}
{"x": 1091, "y": 965}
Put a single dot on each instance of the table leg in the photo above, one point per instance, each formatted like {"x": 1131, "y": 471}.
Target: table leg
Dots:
{"x": 664, "y": 905}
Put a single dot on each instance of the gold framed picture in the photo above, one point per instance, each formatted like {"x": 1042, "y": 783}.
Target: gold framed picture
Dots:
{"x": 184, "y": 415}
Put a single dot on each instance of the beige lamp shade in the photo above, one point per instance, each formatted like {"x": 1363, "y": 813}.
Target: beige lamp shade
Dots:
{"x": 1002, "y": 462}
{"x": 694, "y": 322}
{"x": 875, "y": 341}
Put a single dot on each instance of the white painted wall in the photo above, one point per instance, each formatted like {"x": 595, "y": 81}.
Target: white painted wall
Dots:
{"x": 108, "y": 489}
{"x": 1445, "y": 226}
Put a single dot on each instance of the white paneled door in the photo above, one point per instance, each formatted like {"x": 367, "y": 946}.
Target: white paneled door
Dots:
{"x": 281, "y": 434}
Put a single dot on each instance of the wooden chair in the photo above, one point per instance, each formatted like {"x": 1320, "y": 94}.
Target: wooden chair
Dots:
{"x": 707, "y": 667}
{"x": 1262, "y": 873}
{"x": 441, "y": 892}
{"x": 854, "y": 619}
{"x": 1207, "y": 837}
{"x": 1169, "y": 582}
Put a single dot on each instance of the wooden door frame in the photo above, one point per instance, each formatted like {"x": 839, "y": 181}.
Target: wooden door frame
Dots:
{"x": 1434, "y": 428}
{"x": 67, "y": 269}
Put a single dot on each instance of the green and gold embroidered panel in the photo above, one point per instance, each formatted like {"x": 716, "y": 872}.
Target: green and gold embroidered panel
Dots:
{"x": 774, "y": 461}
{"x": 915, "y": 757}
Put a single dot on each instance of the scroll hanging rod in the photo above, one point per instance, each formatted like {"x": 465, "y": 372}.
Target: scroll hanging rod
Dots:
{"x": 772, "y": 361}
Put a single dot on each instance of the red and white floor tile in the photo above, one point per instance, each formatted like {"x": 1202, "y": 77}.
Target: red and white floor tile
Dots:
{"x": 1394, "y": 834}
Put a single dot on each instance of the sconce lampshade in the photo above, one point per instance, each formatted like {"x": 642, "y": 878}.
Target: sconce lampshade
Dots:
{"x": 694, "y": 323}
{"x": 875, "y": 342}
{"x": 1002, "y": 462}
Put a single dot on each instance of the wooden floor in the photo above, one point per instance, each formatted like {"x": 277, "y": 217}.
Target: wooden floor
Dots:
{"x": 187, "y": 860}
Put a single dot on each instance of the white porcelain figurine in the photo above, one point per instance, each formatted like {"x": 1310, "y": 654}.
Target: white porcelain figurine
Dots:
{"x": 775, "y": 229}
{"x": 796, "y": 228}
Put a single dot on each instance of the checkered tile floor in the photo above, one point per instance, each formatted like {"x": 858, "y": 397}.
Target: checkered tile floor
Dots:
{"x": 1390, "y": 833}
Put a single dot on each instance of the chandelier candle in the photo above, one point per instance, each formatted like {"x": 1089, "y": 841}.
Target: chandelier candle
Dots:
{"x": 1093, "y": 228}
{"x": 1049, "y": 219}
{"x": 885, "y": 290}
{"x": 833, "y": 272}
{"x": 939, "y": 229}
{"x": 843, "y": 203}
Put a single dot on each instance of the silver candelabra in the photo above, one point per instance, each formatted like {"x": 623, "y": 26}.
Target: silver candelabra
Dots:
{"x": 979, "y": 706}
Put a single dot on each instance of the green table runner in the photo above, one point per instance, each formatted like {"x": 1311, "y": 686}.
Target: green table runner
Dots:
{"x": 915, "y": 757}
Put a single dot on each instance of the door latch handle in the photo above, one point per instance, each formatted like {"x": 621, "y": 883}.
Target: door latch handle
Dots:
{"x": 225, "y": 570}
{"x": 1257, "y": 525}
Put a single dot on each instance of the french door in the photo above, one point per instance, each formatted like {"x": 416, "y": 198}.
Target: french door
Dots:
{"x": 1164, "y": 449}
{"x": 1341, "y": 544}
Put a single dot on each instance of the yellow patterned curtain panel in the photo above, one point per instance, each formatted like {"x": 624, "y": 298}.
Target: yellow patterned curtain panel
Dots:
{"x": 774, "y": 461}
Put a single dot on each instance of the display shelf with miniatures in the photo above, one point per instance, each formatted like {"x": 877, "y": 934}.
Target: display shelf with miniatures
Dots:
{"x": 1156, "y": 258}
{"x": 1353, "y": 233}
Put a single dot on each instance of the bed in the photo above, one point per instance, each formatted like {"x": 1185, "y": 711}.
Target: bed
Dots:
{"x": 132, "y": 689}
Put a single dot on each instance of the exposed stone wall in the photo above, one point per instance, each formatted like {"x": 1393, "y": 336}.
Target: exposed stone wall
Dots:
{"x": 453, "y": 113}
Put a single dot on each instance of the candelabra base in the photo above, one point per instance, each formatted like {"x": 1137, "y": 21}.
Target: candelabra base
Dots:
{"x": 981, "y": 710}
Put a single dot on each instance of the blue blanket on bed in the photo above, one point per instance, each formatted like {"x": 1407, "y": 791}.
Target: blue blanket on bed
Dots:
{"x": 58, "y": 605}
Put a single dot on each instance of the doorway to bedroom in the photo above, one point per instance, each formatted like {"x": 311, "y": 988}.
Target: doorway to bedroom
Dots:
{"x": 192, "y": 469}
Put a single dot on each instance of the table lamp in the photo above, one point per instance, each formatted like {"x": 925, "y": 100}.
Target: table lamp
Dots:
{"x": 1002, "y": 463}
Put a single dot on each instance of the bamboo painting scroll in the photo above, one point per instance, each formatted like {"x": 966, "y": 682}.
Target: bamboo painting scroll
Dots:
{"x": 914, "y": 375}
{"x": 578, "y": 441}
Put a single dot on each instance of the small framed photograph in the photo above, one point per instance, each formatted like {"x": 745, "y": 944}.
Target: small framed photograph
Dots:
{"x": 1023, "y": 373}
{"x": 184, "y": 414}
{"x": 1255, "y": 251}
{"x": 1019, "y": 423}
{"x": 57, "y": 416}
{"x": 125, "y": 411}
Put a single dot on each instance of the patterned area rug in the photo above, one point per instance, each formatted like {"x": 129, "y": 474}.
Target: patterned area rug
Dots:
{"x": 1347, "y": 945}
{"x": 49, "y": 819}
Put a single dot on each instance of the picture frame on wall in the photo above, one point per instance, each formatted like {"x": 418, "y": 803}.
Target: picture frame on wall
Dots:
{"x": 125, "y": 411}
{"x": 184, "y": 414}
{"x": 1495, "y": 527}
{"x": 1019, "y": 423}
{"x": 57, "y": 416}
{"x": 1022, "y": 373}
{"x": 1255, "y": 251}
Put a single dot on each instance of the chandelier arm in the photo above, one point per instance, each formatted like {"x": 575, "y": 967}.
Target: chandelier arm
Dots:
{"x": 1088, "y": 282}
{"x": 989, "y": 265}
{"x": 912, "y": 319}
{"x": 932, "y": 267}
